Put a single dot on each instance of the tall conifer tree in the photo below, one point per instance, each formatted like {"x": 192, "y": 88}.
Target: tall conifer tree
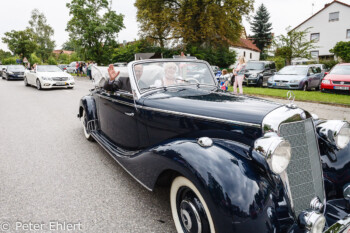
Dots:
{"x": 261, "y": 27}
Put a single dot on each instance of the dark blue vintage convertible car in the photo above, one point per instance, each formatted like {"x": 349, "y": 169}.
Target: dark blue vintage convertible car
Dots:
{"x": 234, "y": 163}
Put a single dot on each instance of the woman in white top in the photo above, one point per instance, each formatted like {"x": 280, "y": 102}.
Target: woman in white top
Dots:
{"x": 170, "y": 75}
{"x": 239, "y": 75}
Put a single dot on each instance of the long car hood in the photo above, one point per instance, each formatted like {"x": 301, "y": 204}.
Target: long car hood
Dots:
{"x": 54, "y": 74}
{"x": 287, "y": 77}
{"x": 206, "y": 103}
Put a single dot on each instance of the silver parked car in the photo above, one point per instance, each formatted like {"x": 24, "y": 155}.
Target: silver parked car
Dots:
{"x": 302, "y": 77}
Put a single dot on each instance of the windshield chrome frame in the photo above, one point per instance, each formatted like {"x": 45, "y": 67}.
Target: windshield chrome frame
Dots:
{"x": 134, "y": 86}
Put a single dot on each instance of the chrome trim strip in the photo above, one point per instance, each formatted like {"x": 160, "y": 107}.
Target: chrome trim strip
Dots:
{"x": 101, "y": 144}
{"x": 201, "y": 117}
{"x": 115, "y": 100}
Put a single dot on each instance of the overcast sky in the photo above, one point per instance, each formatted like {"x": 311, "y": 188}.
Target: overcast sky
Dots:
{"x": 15, "y": 14}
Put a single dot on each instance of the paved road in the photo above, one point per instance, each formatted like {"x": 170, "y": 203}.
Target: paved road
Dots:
{"x": 49, "y": 172}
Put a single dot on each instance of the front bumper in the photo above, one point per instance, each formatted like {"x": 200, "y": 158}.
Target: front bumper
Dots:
{"x": 250, "y": 81}
{"x": 57, "y": 84}
{"x": 279, "y": 85}
{"x": 15, "y": 77}
{"x": 343, "y": 88}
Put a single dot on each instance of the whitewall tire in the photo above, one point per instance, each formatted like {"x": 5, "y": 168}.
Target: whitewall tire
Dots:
{"x": 189, "y": 209}
{"x": 87, "y": 134}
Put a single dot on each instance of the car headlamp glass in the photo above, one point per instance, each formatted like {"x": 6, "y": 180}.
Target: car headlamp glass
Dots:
{"x": 276, "y": 150}
{"x": 326, "y": 81}
{"x": 270, "y": 79}
{"x": 10, "y": 72}
{"x": 46, "y": 78}
{"x": 343, "y": 137}
{"x": 336, "y": 132}
{"x": 253, "y": 75}
{"x": 280, "y": 158}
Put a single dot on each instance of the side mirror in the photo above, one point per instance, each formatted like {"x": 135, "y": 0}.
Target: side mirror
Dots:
{"x": 325, "y": 73}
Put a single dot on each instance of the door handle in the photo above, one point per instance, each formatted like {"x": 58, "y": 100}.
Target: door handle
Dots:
{"x": 129, "y": 114}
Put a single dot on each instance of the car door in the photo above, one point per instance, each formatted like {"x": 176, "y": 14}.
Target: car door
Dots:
{"x": 310, "y": 77}
{"x": 118, "y": 118}
{"x": 318, "y": 76}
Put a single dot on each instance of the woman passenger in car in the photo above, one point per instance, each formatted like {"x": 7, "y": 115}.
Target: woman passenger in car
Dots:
{"x": 170, "y": 75}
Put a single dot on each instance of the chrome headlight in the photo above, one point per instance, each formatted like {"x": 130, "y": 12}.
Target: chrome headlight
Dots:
{"x": 326, "y": 81}
{"x": 311, "y": 220}
{"x": 10, "y": 72}
{"x": 276, "y": 150}
{"x": 336, "y": 132}
{"x": 253, "y": 76}
{"x": 270, "y": 80}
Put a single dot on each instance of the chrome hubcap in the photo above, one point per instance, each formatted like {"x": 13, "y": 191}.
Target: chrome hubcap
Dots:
{"x": 190, "y": 217}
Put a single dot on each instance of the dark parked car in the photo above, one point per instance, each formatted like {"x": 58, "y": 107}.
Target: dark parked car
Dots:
{"x": 258, "y": 72}
{"x": 302, "y": 77}
{"x": 14, "y": 72}
{"x": 234, "y": 163}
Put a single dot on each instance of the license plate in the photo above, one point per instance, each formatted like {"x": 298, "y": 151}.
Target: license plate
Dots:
{"x": 281, "y": 84}
{"x": 20, "y": 76}
{"x": 341, "y": 88}
{"x": 60, "y": 83}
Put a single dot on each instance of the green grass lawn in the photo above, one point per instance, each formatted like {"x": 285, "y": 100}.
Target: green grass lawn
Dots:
{"x": 309, "y": 96}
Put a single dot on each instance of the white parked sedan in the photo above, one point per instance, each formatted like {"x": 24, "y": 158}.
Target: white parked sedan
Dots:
{"x": 48, "y": 76}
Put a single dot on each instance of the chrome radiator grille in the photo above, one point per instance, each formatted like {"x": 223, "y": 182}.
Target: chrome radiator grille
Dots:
{"x": 60, "y": 79}
{"x": 304, "y": 170}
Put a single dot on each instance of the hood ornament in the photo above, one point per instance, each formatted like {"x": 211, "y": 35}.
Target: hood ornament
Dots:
{"x": 291, "y": 98}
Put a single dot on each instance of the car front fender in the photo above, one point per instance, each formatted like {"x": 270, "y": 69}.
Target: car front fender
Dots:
{"x": 88, "y": 104}
{"x": 239, "y": 193}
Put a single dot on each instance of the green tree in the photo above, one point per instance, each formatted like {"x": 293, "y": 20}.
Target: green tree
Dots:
{"x": 261, "y": 27}
{"x": 43, "y": 33}
{"x": 342, "y": 50}
{"x": 204, "y": 23}
{"x": 4, "y": 54}
{"x": 294, "y": 45}
{"x": 21, "y": 43}
{"x": 70, "y": 45}
{"x": 63, "y": 59}
{"x": 10, "y": 60}
{"x": 34, "y": 59}
{"x": 94, "y": 27}
{"x": 51, "y": 61}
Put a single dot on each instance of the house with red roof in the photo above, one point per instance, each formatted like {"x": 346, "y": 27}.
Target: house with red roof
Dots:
{"x": 328, "y": 26}
{"x": 245, "y": 47}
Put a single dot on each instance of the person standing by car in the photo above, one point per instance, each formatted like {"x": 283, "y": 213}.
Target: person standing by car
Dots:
{"x": 239, "y": 75}
{"x": 76, "y": 67}
{"x": 88, "y": 70}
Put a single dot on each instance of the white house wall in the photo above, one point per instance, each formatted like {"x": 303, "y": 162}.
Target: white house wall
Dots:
{"x": 331, "y": 32}
{"x": 241, "y": 51}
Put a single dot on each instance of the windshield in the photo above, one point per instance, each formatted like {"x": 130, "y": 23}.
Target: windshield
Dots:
{"x": 342, "y": 70}
{"x": 294, "y": 70}
{"x": 167, "y": 73}
{"x": 18, "y": 68}
{"x": 254, "y": 66}
{"x": 48, "y": 69}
